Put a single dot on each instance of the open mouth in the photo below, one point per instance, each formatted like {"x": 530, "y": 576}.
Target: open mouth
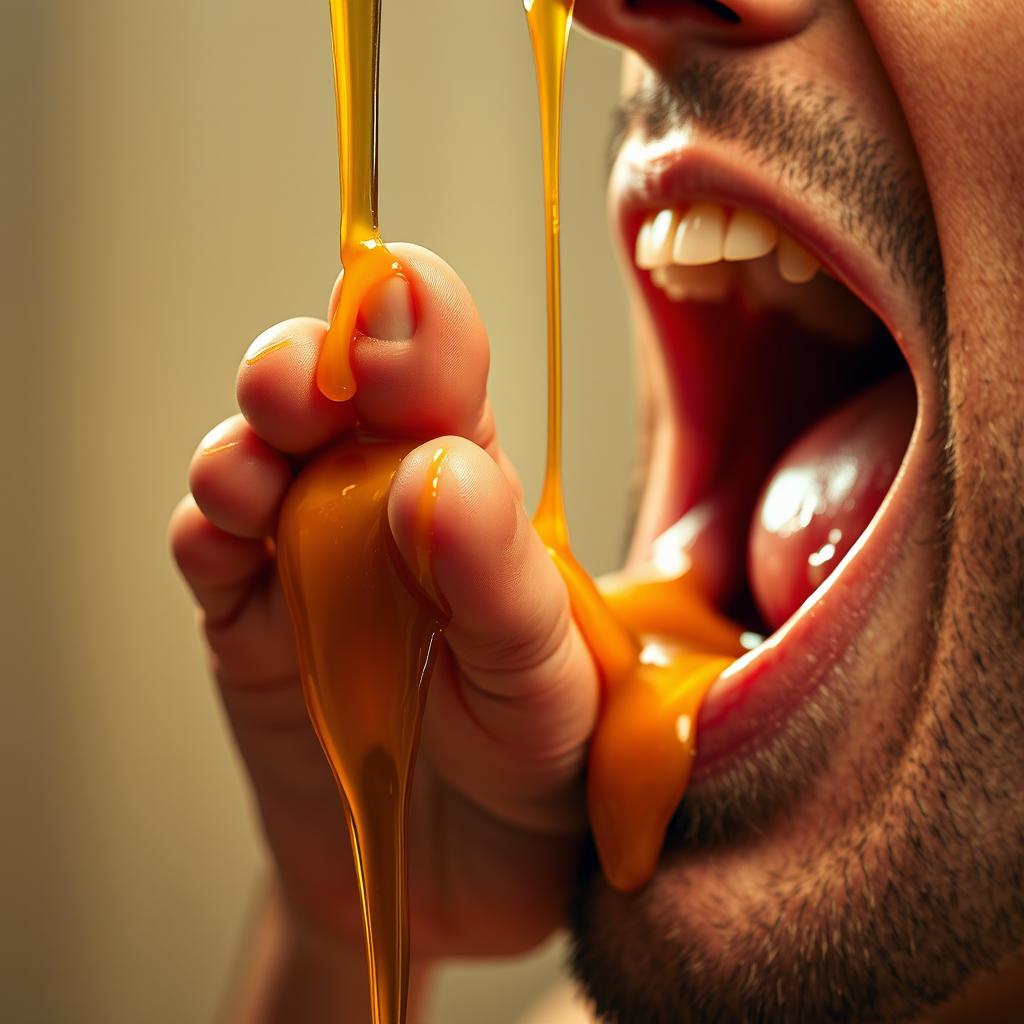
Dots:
{"x": 782, "y": 461}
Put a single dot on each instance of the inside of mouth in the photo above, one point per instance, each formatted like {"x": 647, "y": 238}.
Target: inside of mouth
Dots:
{"x": 792, "y": 408}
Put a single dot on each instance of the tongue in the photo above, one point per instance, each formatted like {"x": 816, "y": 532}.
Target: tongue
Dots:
{"x": 822, "y": 495}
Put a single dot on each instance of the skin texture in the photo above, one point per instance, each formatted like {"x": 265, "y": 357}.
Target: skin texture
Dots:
{"x": 870, "y": 878}
{"x": 892, "y": 874}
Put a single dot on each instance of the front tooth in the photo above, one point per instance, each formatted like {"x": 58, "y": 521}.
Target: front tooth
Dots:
{"x": 698, "y": 238}
{"x": 663, "y": 229}
{"x": 796, "y": 264}
{"x": 643, "y": 256}
{"x": 709, "y": 283}
{"x": 654, "y": 242}
{"x": 749, "y": 236}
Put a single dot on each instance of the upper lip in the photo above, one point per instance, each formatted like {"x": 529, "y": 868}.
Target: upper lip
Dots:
{"x": 650, "y": 177}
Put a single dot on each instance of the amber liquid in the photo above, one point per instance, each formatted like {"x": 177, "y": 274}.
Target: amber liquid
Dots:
{"x": 367, "y": 630}
{"x": 643, "y": 748}
{"x": 355, "y": 32}
{"x": 367, "y": 625}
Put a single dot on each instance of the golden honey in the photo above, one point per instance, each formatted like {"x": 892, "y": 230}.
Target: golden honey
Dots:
{"x": 368, "y": 625}
{"x": 644, "y": 744}
{"x": 367, "y": 631}
{"x": 355, "y": 32}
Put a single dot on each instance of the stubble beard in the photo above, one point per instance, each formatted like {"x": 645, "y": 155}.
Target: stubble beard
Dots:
{"x": 920, "y": 884}
{"x": 919, "y": 889}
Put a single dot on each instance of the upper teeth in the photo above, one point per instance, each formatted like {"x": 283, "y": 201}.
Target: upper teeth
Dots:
{"x": 705, "y": 234}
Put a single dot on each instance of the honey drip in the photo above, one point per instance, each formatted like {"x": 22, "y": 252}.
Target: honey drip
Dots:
{"x": 367, "y": 631}
{"x": 355, "y": 32}
{"x": 658, "y": 645}
{"x": 366, "y": 626}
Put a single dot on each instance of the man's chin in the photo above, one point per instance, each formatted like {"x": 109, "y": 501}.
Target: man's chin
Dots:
{"x": 783, "y": 893}
{"x": 844, "y": 891}
{"x": 692, "y": 947}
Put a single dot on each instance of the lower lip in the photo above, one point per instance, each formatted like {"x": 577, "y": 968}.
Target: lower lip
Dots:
{"x": 754, "y": 698}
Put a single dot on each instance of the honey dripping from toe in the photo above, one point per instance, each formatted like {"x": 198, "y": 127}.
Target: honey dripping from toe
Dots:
{"x": 366, "y": 625}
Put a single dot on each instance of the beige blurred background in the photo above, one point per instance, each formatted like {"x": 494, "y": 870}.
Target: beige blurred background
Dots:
{"x": 168, "y": 182}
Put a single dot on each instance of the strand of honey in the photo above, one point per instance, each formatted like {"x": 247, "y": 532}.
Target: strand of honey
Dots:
{"x": 366, "y": 625}
{"x": 643, "y": 748}
{"x": 355, "y": 33}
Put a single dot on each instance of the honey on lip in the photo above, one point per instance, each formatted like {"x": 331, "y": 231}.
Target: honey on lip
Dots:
{"x": 644, "y": 743}
{"x": 368, "y": 625}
